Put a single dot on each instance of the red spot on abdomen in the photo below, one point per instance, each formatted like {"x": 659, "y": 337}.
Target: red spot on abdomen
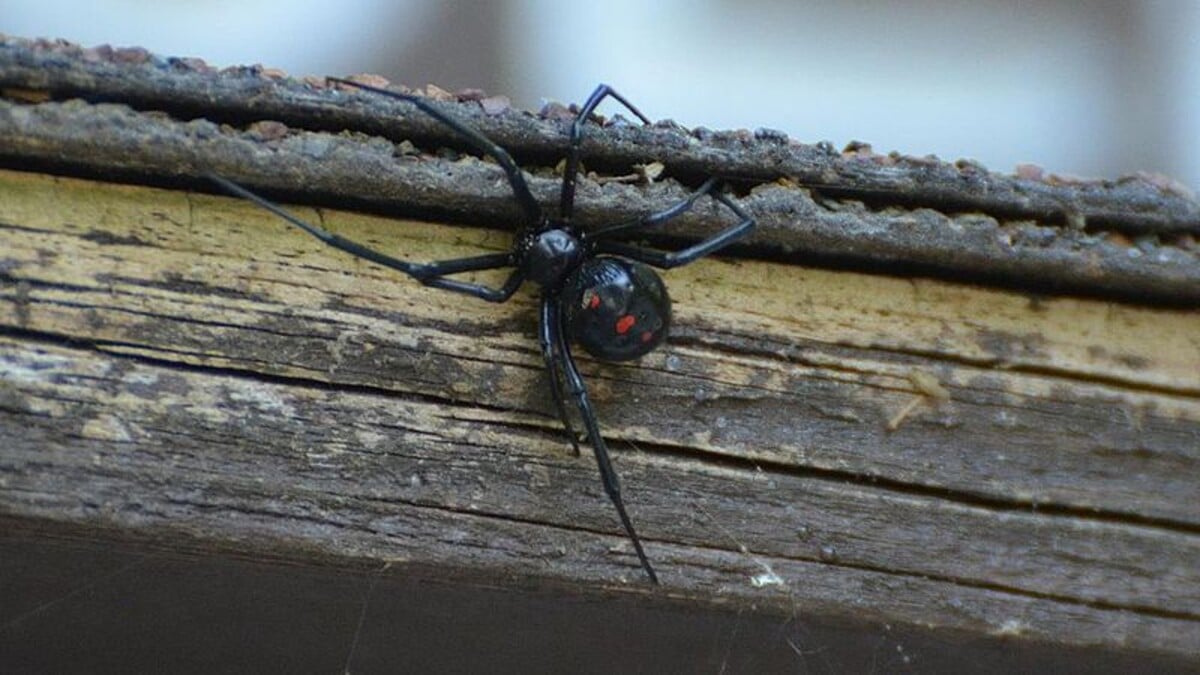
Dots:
{"x": 594, "y": 302}
{"x": 625, "y": 323}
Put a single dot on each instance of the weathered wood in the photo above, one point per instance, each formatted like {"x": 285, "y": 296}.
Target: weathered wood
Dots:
{"x": 188, "y": 87}
{"x": 1133, "y": 239}
{"x": 993, "y": 469}
{"x": 863, "y": 447}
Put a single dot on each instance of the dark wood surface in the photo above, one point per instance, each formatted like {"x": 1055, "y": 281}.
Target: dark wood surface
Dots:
{"x": 88, "y": 602}
{"x": 189, "y": 88}
{"x": 1134, "y": 238}
{"x": 963, "y": 464}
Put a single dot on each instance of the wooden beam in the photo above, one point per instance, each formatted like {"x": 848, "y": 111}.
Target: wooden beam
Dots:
{"x": 1134, "y": 239}
{"x": 188, "y": 87}
{"x": 847, "y": 443}
{"x": 914, "y": 433}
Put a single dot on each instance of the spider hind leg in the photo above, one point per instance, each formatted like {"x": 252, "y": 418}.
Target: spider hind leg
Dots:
{"x": 551, "y": 356}
{"x": 608, "y": 475}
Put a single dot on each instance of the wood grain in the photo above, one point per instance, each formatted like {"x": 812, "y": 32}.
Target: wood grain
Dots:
{"x": 188, "y": 88}
{"x": 882, "y": 448}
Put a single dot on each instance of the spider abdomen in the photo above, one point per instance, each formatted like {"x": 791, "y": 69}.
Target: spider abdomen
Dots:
{"x": 617, "y": 309}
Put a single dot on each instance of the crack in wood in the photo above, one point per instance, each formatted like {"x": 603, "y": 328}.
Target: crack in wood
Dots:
{"x": 169, "y": 358}
{"x": 112, "y": 141}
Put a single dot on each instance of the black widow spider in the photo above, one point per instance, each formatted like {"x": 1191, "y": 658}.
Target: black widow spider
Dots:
{"x": 599, "y": 291}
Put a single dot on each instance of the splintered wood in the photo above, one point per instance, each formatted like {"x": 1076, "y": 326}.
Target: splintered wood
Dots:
{"x": 894, "y": 449}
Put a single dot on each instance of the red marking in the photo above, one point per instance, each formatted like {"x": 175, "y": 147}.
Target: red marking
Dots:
{"x": 647, "y": 336}
{"x": 625, "y": 323}
{"x": 594, "y": 302}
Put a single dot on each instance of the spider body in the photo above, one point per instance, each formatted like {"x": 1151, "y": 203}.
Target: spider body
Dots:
{"x": 550, "y": 255}
{"x": 616, "y": 309}
{"x": 600, "y": 292}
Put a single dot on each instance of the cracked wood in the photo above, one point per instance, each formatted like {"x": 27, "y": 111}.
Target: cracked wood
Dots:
{"x": 188, "y": 87}
{"x": 184, "y": 363}
{"x": 1133, "y": 239}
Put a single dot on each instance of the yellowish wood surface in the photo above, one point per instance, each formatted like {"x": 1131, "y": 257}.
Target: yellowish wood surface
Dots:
{"x": 848, "y": 442}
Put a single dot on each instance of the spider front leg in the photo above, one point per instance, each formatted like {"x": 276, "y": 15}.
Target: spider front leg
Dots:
{"x": 430, "y": 274}
{"x": 608, "y": 476}
{"x": 533, "y": 212}
{"x": 566, "y": 206}
{"x": 658, "y": 217}
{"x": 669, "y": 259}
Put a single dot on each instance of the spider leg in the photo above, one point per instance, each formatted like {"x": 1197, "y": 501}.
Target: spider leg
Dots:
{"x": 550, "y": 354}
{"x": 430, "y": 274}
{"x": 480, "y": 291}
{"x": 608, "y": 476}
{"x": 566, "y": 207}
{"x": 658, "y": 217}
{"x": 669, "y": 259}
{"x": 481, "y": 143}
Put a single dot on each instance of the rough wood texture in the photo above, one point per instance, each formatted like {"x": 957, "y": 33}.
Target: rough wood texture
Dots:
{"x": 867, "y": 448}
{"x": 1132, "y": 239}
{"x": 189, "y": 87}
{"x": 186, "y": 363}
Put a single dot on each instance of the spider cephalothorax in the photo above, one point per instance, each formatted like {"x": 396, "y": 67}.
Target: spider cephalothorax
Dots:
{"x": 597, "y": 290}
{"x": 550, "y": 255}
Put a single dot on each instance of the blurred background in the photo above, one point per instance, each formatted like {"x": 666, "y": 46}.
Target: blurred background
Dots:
{"x": 1095, "y": 89}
